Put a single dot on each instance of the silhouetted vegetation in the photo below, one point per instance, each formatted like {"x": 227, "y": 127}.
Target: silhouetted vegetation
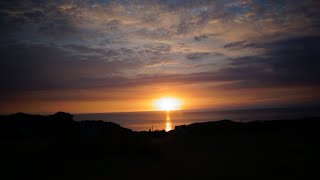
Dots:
{"x": 57, "y": 147}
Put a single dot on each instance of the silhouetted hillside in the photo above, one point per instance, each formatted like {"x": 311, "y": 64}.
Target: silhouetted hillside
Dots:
{"x": 57, "y": 147}
{"x": 59, "y": 124}
{"x": 307, "y": 125}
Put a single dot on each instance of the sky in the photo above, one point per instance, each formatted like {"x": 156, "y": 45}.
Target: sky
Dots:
{"x": 121, "y": 55}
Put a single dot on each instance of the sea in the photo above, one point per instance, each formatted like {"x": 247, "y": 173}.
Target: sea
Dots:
{"x": 167, "y": 120}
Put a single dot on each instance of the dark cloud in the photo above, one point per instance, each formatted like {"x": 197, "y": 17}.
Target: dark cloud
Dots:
{"x": 47, "y": 17}
{"x": 151, "y": 50}
{"x": 159, "y": 33}
{"x": 200, "y": 38}
{"x": 290, "y": 62}
{"x": 28, "y": 68}
{"x": 84, "y": 49}
{"x": 113, "y": 25}
{"x": 103, "y": 53}
{"x": 286, "y": 62}
{"x": 194, "y": 21}
{"x": 35, "y": 16}
{"x": 204, "y": 55}
{"x": 293, "y": 61}
{"x": 57, "y": 29}
{"x": 236, "y": 44}
{"x": 197, "y": 56}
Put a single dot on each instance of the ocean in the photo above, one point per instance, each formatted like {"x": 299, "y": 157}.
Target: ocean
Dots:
{"x": 158, "y": 120}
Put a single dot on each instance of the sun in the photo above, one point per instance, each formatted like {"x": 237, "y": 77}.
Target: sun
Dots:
{"x": 167, "y": 104}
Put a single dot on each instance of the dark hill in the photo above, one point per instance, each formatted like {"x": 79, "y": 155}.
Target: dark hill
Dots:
{"x": 57, "y": 147}
{"x": 59, "y": 124}
{"x": 306, "y": 125}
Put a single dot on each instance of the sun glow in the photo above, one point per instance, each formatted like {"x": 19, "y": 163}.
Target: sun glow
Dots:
{"x": 167, "y": 104}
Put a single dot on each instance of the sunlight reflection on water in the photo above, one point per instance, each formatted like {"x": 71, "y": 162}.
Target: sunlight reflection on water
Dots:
{"x": 168, "y": 122}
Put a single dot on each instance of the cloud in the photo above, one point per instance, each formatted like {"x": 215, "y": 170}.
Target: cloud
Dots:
{"x": 293, "y": 61}
{"x": 50, "y": 68}
{"x": 83, "y": 49}
{"x": 236, "y": 44}
{"x": 197, "y": 56}
{"x": 63, "y": 45}
{"x": 201, "y": 37}
{"x": 286, "y": 62}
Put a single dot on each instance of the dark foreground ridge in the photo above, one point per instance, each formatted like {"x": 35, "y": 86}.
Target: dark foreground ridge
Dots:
{"x": 57, "y": 147}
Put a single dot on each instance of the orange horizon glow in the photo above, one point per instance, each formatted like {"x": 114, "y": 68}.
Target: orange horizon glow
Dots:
{"x": 138, "y": 99}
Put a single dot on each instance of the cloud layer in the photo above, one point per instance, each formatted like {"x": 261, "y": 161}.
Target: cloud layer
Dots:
{"x": 56, "y": 46}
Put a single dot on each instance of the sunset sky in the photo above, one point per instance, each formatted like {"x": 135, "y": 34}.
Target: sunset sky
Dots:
{"x": 106, "y": 56}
